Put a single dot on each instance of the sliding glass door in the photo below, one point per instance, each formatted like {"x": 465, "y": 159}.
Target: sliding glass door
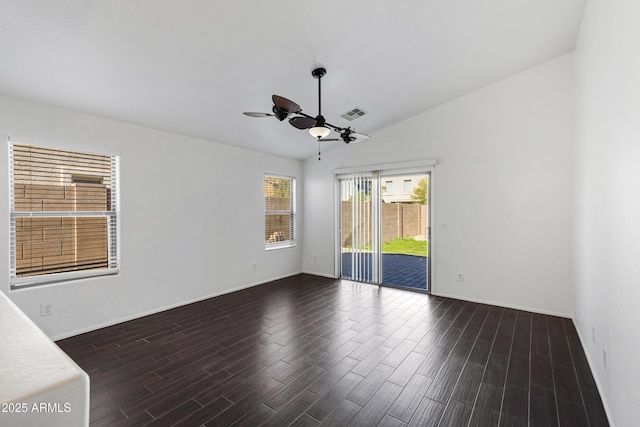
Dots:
{"x": 384, "y": 228}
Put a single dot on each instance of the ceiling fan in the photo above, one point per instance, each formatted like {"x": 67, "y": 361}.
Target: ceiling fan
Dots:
{"x": 318, "y": 127}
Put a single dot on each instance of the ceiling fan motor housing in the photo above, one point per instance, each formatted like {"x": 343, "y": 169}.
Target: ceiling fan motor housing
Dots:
{"x": 280, "y": 114}
{"x": 318, "y": 73}
{"x": 346, "y": 136}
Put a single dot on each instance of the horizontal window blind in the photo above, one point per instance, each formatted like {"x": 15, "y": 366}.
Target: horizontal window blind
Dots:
{"x": 64, "y": 214}
{"x": 279, "y": 198}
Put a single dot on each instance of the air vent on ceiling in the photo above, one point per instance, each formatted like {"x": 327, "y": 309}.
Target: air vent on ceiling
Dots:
{"x": 353, "y": 114}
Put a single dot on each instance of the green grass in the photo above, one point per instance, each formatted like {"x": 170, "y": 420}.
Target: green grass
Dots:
{"x": 407, "y": 245}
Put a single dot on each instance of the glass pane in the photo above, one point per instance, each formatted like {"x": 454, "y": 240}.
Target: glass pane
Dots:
{"x": 46, "y": 179}
{"x": 277, "y": 193}
{"x": 405, "y": 245}
{"x": 277, "y": 228}
{"x": 407, "y": 186}
{"x": 60, "y": 244}
{"x": 359, "y": 238}
{"x": 388, "y": 188}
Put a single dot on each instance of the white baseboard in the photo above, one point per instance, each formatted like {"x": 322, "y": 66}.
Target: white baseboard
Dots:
{"x": 168, "y": 307}
{"x": 593, "y": 373}
{"x": 315, "y": 273}
{"x": 499, "y": 304}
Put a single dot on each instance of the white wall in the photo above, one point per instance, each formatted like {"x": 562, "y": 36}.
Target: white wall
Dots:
{"x": 503, "y": 187}
{"x": 607, "y": 200}
{"x": 192, "y": 219}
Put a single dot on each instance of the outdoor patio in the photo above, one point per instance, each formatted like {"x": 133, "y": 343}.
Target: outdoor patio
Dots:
{"x": 397, "y": 269}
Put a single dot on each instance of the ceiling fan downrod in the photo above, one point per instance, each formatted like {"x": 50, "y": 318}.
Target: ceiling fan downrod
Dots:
{"x": 319, "y": 129}
{"x": 319, "y": 73}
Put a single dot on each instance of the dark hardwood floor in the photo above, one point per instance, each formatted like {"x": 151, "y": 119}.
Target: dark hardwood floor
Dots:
{"x": 309, "y": 351}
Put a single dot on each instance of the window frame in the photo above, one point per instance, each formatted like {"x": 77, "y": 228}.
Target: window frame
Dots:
{"x": 112, "y": 220}
{"x": 388, "y": 189}
{"x": 404, "y": 186}
{"x": 291, "y": 212}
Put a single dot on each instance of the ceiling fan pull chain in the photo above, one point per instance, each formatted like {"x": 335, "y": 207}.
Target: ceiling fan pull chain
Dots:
{"x": 318, "y": 149}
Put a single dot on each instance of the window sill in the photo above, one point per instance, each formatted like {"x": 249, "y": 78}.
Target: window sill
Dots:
{"x": 57, "y": 278}
{"x": 274, "y": 247}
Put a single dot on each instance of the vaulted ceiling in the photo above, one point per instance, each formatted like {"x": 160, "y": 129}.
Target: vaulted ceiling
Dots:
{"x": 193, "y": 66}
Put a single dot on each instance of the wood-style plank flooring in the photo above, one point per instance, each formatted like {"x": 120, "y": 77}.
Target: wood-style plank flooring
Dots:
{"x": 310, "y": 351}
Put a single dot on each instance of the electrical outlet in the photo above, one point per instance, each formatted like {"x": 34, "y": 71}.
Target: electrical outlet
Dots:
{"x": 46, "y": 309}
{"x": 254, "y": 266}
{"x": 605, "y": 360}
{"x": 593, "y": 334}
{"x": 460, "y": 277}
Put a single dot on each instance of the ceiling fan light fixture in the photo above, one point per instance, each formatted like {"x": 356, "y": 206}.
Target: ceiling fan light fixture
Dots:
{"x": 319, "y": 130}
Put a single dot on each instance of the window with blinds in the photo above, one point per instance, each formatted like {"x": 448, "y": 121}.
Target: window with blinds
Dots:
{"x": 64, "y": 214}
{"x": 280, "y": 215}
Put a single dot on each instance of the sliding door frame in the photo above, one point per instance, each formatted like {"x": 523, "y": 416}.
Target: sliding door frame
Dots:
{"x": 426, "y": 166}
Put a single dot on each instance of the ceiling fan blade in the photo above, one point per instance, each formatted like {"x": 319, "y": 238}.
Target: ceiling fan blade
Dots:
{"x": 254, "y": 114}
{"x": 301, "y": 122}
{"x": 329, "y": 139}
{"x": 285, "y": 104}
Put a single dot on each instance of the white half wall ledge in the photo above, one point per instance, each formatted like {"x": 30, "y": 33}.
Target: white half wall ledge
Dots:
{"x": 40, "y": 384}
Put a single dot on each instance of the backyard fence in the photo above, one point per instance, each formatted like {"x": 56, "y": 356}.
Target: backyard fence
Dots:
{"x": 398, "y": 220}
